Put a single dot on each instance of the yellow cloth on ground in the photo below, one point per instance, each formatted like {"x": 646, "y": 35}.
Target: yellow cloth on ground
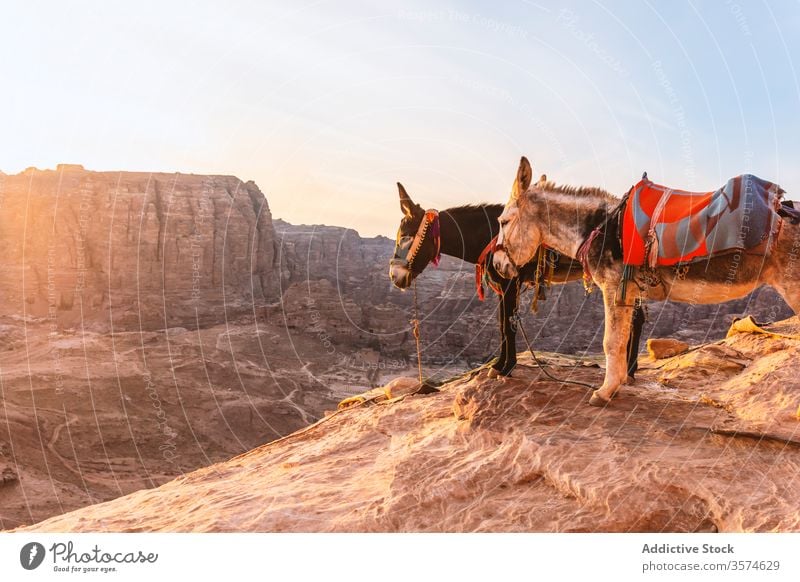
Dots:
{"x": 394, "y": 389}
{"x": 749, "y": 325}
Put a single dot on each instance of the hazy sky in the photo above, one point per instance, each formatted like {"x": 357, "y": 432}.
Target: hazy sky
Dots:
{"x": 327, "y": 104}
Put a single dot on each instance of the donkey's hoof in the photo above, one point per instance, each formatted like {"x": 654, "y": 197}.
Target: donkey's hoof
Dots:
{"x": 597, "y": 400}
{"x": 630, "y": 380}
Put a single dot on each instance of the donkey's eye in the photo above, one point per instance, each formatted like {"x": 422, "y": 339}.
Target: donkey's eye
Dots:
{"x": 503, "y": 221}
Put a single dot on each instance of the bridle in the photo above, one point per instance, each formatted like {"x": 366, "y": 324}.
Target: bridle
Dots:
{"x": 429, "y": 225}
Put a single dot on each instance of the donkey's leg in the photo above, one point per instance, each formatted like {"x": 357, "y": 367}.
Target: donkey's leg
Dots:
{"x": 634, "y": 339}
{"x": 508, "y": 329}
{"x": 615, "y": 339}
{"x": 501, "y": 360}
{"x": 787, "y": 277}
{"x": 510, "y": 304}
{"x": 785, "y": 268}
{"x": 790, "y": 292}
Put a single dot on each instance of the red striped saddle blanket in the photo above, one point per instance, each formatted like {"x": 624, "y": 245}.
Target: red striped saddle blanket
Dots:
{"x": 662, "y": 226}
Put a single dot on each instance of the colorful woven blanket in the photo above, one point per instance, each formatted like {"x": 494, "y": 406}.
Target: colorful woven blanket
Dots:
{"x": 662, "y": 226}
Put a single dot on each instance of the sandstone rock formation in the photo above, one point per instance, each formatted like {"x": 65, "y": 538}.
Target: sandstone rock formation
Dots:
{"x": 127, "y": 250}
{"x": 694, "y": 446}
{"x": 661, "y": 348}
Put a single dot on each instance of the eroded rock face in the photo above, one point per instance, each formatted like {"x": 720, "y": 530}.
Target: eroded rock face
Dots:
{"x": 708, "y": 450}
{"x": 125, "y": 359}
{"x": 128, "y": 250}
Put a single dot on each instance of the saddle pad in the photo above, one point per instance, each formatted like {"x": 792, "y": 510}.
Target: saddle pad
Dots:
{"x": 663, "y": 226}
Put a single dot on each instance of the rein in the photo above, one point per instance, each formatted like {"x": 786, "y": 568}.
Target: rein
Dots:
{"x": 429, "y": 225}
{"x": 415, "y": 329}
{"x": 546, "y": 259}
{"x": 533, "y": 353}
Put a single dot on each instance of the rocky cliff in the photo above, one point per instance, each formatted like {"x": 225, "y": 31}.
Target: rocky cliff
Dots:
{"x": 128, "y": 250}
{"x": 130, "y": 347}
{"x": 706, "y": 441}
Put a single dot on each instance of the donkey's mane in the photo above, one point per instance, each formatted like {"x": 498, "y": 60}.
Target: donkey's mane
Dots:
{"x": 577, "y": 191}
{"x": 483, "y": 206}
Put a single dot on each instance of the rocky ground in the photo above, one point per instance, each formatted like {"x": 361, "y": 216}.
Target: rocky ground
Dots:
{"x": 87, "y": 416}
{"x": 705, "y": 441}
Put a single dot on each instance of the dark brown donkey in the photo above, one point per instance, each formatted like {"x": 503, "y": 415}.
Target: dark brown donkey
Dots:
{"x": 464, "y": 232}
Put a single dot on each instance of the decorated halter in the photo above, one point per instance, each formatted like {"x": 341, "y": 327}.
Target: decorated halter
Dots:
{"x": 429, "y": 224}
{"x": 482, "y": 270}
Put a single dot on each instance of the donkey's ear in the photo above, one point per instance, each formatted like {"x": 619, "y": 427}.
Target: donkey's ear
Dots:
{"x": 406, "y": 204}
{"x": 524, "y": 177}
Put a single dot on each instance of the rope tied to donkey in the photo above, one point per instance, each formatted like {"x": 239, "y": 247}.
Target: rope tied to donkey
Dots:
{"x": 518, "y": 325}
{"x": 415, "y": 331}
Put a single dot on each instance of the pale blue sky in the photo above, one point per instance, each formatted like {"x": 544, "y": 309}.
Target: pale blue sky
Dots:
{"x": 327, "y": 104}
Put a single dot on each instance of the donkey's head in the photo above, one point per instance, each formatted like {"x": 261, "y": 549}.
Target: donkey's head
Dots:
{"x": 520, "y": 235}
{"x": 417, "y": 241}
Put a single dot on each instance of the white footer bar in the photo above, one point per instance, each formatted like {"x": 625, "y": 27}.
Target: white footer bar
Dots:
{"x": 401, "y": 557}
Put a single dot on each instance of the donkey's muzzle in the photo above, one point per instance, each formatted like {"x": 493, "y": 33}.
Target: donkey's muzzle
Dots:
{"x": 400, "y": 274}
{"x": 503, "y": 264}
